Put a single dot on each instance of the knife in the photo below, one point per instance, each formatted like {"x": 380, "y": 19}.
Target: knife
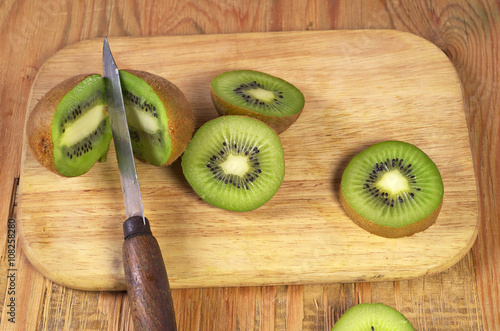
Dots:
{"x": 147, "y": 282}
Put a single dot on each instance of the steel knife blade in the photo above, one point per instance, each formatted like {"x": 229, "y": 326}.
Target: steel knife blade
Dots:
{"x": 121, "y": 136}
{"x": 147, "y": 282}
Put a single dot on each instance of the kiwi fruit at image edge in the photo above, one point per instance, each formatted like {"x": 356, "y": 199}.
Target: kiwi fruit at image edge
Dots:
{"x": 234, "y": 163}
{"x": 256, "y": 94}
{"x": 68, "y": 129}
{"x": 392, "y": 189}
{"x": 160, "y": 119}
{"x": 372, "y": 317}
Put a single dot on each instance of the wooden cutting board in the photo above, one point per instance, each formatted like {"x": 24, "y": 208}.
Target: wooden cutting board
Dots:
{"x": 361, "y": 87}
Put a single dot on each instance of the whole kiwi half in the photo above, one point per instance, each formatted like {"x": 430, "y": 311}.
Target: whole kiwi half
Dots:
{"x": 160, "y": 119}
{"x": 270, "y": 99}
{"x": 68, "y": 129}
{"x": 234, "y": 163}
{"x": 392, "y": 189}
{"x": 372, "y": 317}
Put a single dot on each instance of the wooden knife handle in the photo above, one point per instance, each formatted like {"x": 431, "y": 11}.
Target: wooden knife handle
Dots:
{"x": 147, "y": 282}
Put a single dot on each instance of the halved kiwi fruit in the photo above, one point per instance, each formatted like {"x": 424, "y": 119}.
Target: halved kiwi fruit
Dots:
{"x": 68, "y": 130}
{"x": 372, "y": 317}
{"x": 392, "y": 189}
{"x": 234, "y": 163}
{"x": 159, "y": 117}
{"x": 256, "y": 94}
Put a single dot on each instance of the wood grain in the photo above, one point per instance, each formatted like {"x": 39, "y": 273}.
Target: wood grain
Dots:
{"x": 464, "y": 297}
{"x": 468, "y": 32}
{"x": 359, "y": 85}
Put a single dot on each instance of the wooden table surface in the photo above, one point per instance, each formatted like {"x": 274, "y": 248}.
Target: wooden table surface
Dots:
{"x": 464, "y": 297}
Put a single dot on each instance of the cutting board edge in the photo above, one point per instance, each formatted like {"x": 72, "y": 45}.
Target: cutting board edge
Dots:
{"x": 118, "y": 284}
{"x": 81, "y": 44}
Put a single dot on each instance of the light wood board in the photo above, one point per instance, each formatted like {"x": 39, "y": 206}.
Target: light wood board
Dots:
{"x": 361, "y": 87}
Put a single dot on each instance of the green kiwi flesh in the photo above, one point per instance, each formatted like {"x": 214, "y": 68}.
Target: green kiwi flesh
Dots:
{"x": 147, "y": 121}
{"x": 392, "y": 189}
{"x": 253, "y": 93}
{"x": 234, "y": 163}
{"x": 372, "y": 317}
{"x": 81, "y": 132}
{"x": 154, "y": 107}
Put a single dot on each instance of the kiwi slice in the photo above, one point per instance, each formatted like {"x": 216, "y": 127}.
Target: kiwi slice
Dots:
{"x": 392, "y": 189}
{"x": 372, "y": 317}
{"x": 159, "y": 117}
{"x": 234, "y": 163}
{"x": 68, "y": 129}
{"x": 252, "y": 93}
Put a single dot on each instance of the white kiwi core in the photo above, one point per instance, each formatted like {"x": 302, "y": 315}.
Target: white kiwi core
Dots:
{"x": 235, "y": 165}
{"x": 262, "y": 94}
{"x": 84, "y": 126}
{"x": 393, "y": 182}
{"x": 140, "y": 120}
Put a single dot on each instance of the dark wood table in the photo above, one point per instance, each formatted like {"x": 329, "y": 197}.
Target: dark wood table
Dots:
{"x": 464, "y": 297}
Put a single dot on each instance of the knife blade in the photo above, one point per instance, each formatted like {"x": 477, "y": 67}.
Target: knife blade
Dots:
{"x": 121, "y": 136}
{"x": 147, "y": 281}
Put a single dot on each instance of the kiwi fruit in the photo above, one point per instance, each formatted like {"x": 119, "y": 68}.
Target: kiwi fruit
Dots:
{"x": 372, "y": 317}
{"x": 270, "y": 99}
{"x": 160, "y": 119}
{"x": 392, "y": 189}
{"x": 234, "y": 163}
{"x": 68, "y": 129}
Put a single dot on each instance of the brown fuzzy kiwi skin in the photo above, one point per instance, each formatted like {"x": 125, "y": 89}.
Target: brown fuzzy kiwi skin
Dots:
{"x": 278, "y": 124}
{"x": 388, "y": 231}
{"x": 39, "y": 123}
{"x": 180, "y": 116}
